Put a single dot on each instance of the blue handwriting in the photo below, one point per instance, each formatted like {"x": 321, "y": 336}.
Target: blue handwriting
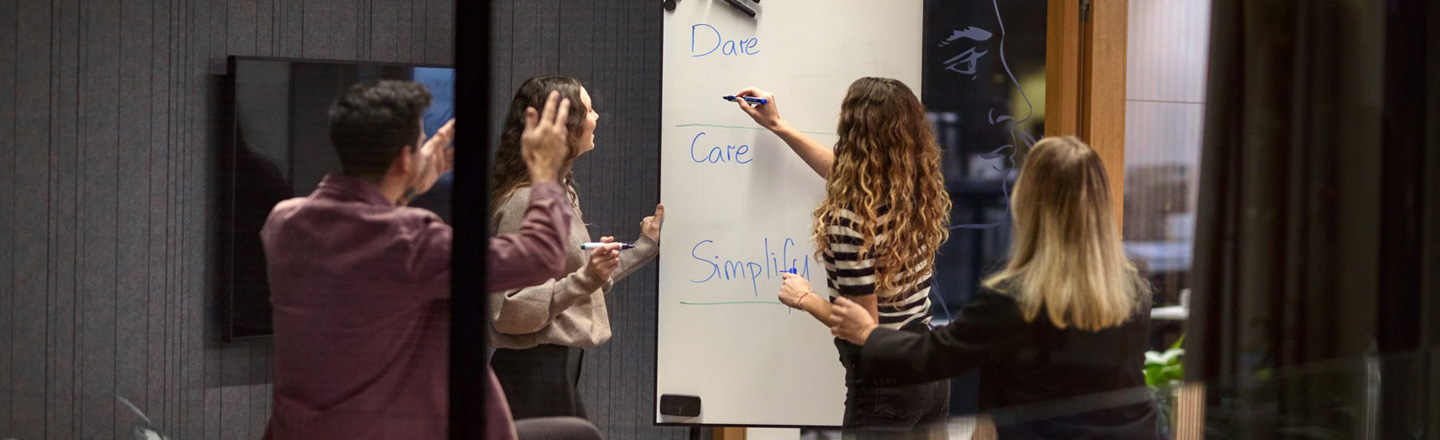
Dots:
{"x": 748, "y": 46}
{"x": 770, "y": 265}
{"x": 729, "y": 153}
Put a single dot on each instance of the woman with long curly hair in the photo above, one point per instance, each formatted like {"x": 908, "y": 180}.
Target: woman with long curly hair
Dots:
{"x": 884, "y": 215}
{"x": 540, "y": 332}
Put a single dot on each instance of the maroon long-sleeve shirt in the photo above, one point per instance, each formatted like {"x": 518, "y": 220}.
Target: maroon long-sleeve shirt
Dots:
{"x": 360, "y": 289}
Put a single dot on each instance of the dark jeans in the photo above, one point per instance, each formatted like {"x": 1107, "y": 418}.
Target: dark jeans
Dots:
{"x": 906, "y": 411}
{"x": 541, "y": 381}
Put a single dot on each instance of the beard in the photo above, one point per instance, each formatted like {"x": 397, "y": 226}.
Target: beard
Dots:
{"x": 412, "y": 190}
{"x": 412, "y": 186}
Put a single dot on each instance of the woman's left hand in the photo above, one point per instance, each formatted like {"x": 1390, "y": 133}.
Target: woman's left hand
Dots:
{"x": 650, "y": 226}
{"x": 850, "y": 321}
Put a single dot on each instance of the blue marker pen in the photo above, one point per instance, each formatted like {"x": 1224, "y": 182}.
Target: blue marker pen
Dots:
{"x": 593, "y": 246}
{"x": 749, "y": 99}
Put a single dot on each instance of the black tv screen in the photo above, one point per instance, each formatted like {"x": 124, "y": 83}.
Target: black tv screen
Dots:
{"x": 280, "y": 148}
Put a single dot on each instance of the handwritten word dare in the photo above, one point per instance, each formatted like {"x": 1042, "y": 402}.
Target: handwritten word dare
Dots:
{"x": 706, "y": 40}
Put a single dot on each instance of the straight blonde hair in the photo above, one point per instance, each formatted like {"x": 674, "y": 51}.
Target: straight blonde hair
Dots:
{"x": 1067, "y": 257}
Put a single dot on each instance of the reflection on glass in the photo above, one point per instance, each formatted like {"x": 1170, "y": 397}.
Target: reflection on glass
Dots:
{"x": 1339, "y": 398}
{"x": 984, "y": 86}
{"x": 1165, "y": 87}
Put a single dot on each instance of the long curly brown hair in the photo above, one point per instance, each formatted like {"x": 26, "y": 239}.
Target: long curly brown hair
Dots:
{"x": 887, "y": 160}
{"x": 510, "y": 169}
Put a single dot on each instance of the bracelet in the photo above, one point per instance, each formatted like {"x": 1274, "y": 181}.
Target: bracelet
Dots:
{"x": 801, "y": 299}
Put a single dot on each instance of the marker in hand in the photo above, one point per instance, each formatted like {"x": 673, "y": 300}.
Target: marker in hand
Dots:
{"x": 749, "y": 99}
{"x": 593, "y": 246}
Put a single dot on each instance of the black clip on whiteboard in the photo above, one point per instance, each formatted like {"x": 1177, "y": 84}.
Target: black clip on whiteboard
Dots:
{"x": 682, "y": 405}
{"x": 742, "y": 7}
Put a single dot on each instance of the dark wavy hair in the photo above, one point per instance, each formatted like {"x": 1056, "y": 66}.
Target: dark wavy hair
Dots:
{"x": 510, "y": 169}
{"x": 372, "y": 121}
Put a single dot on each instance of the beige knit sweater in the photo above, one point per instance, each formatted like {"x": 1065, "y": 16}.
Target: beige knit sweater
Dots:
{"x": 569, "y": 310}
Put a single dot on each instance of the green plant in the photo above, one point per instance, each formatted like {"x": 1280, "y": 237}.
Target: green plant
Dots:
{"x": 1165, "y": 369}
{"x": 1163, "y": 373}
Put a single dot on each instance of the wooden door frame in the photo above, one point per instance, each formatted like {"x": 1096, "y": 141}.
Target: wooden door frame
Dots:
{"x": 1085, "y": 80}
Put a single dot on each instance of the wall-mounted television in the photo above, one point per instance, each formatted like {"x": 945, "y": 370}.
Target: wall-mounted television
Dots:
{"x": 279, "y": 147}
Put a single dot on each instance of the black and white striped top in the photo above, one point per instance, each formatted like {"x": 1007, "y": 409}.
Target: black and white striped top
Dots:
{"x": 847, "y": 274}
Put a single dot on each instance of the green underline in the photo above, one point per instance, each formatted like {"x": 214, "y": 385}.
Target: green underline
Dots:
{"x": 747, "y": 128}
{"x": 729, "y": 303}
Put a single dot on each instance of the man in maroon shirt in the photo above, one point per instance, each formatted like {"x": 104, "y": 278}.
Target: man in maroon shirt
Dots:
{"x": 360, "y": 284}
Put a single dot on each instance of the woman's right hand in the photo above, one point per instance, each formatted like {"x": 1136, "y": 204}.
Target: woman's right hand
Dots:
{"x": 767, "y": 115}
{"x": 793, "y": 290}
{"x": 604, "y": 260}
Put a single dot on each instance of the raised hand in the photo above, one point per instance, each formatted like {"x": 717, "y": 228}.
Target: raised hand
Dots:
{"x": 441, "y": 155}
{"x": 767, "y": 115}
{"x": 650, "y": 226}
{"x": 438, "y": 157}
{"x": 545, "y": 142}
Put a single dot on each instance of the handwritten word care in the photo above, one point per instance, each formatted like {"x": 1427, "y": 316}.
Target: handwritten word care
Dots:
{"x": 713, "y": 268}
{"x": 706, "y": 40}
{"x": 703, "y": 152}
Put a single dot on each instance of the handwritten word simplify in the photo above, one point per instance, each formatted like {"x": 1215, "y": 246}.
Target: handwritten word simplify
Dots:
{"x": 717, "y": 154}
{"x": 770, "y": 265}
{"x": 707, "y": 39}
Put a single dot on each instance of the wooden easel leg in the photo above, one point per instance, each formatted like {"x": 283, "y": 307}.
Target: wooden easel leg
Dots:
{"x": 729, "y": 433}
{"x": 984, "y": 428}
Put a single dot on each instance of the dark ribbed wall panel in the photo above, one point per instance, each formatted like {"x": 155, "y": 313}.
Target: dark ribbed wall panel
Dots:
{"x": 8, "y": 30}
{"x": 109, "y": 132}
{"x": 110, "y": 117}
{"x": 614, "y": 49}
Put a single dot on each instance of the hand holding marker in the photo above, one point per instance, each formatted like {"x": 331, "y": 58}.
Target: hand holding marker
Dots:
{"x": 594, "y": 245}
{"x": 604, "y": 259}
{"x": 749, "y": 99}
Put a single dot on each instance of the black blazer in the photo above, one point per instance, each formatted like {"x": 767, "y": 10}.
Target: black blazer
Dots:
{"x": 1036, "y": 380}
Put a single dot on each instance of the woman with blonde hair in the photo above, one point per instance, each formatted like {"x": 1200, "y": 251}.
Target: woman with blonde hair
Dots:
{"x": 1059, "y": 334}
{"x": 884, "y": 215}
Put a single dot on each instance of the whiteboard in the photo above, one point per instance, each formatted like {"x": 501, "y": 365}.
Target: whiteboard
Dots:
{"x": 739, "y": 201}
